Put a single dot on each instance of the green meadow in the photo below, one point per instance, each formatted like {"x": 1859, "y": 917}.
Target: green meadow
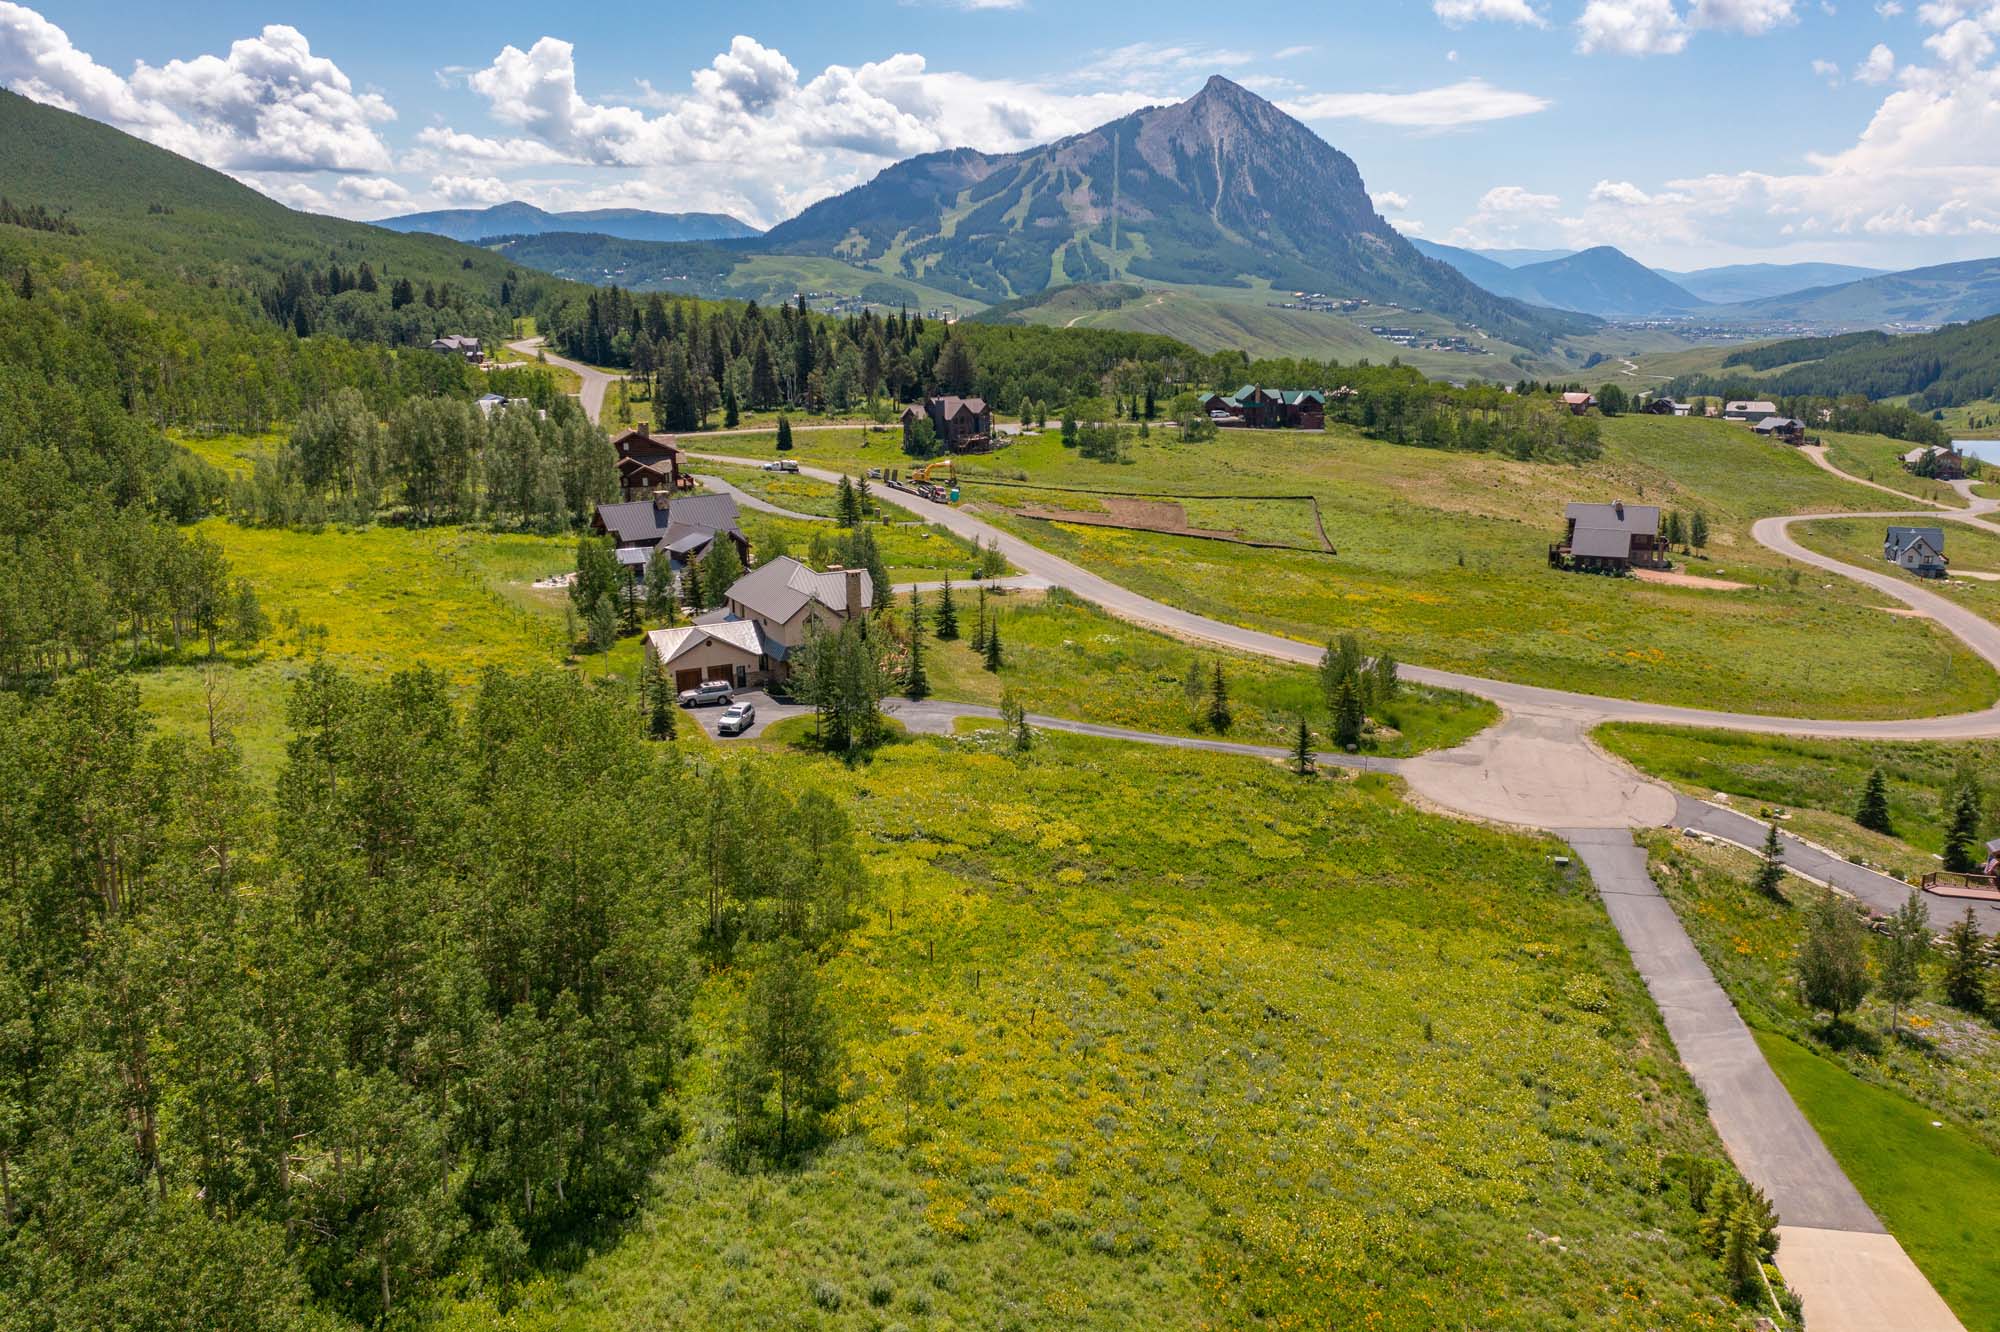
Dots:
{"x": 1064, "y": 657}
{"x": 1817, "y": 783}
{"x": 1209, "y": 1047}
{"x": 1443, "y": 561}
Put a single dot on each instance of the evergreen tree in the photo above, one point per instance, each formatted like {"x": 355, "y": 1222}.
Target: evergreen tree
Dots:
{"x": 1698, "y": 530}
{"x": 731, "y": 415}
{"x": 979, "y": 624}
{"x": 990, "y": 651}
{"x": 660, "y": 584}
{"x": 1350, "y": 720}
{"x": 947, "y": 615}
{"x": 916, "y": 685}
{"x": 1741, "y": 1260}
{"x": 846, "y": 505}
{"x": 1961, "y": 838}
{"x": 1770, "y": 877}
{"x": 1904, "y": 950}
{"x": 694, "y": 591}
{"x": 664, "y": 722}
{"x": 1832, "y": 965}
{"x": 1964, "y": 978}
{"x": 1219, "y": 717}
{"x": 1873, "y": 811}
{"x": 1671, "y": 530}
{"x": 784, "y": 433}
{"x": 1302, "y": 745}
{"x": 628, "y": 606}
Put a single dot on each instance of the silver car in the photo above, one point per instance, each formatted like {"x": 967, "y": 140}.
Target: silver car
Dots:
{"x": 707, "y": 692}
{"x": 736, "y": 719}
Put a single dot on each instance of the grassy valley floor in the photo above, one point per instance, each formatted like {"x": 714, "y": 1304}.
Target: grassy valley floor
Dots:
{"x": 1210, "y": 1047}
{"x": 1066, "y": 658}
{"x": 1443, "y": 561}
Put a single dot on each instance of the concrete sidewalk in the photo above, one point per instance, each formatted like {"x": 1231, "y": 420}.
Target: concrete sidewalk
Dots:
{"x": 1850, "y": 1273}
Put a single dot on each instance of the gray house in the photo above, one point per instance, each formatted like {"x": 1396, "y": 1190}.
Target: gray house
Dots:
{"x": 1610, "y": 538}
{"x": 1917, "y": 549}
{"x": 685, "y": 525}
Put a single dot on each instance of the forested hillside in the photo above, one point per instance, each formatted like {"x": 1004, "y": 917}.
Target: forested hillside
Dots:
{"x": 1949, "y": 368}
{"x": 203, "y": 245}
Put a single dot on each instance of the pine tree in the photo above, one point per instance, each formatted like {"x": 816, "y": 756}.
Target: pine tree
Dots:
{"x": 1873, "y": 812}
{"x": 1962, "y": 836}
{"x": 979, "y": 624}
{"x": 784, "y": 433}
{"x": 916, "y": 685}
{"x": 1903, "y": 953}
{"x": 1219, "y": 717}
{"x": 1349, "y": 718}
{"x": 664, "y": 722}
{"x": 731, "y": 414}
{"x": 846, "y": 505}
{"x": 991, "y": 650}
{"x": 1741, "y": 1260}
{"x": 1771, "y": 869}
{"x": 1964, "y": 978}
{"x": 947, "y": 615}
{"x": 660, "y": 584}
{"x": 1302, "y": 749}
{"x": 1698, "y": 530}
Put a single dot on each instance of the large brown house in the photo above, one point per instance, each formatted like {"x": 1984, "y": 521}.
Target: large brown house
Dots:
{"x": 648, "y": 462}
{"x": 1269, "y": 408}
{"x": 686, "y": 527}
{"x": 962, "y": 425}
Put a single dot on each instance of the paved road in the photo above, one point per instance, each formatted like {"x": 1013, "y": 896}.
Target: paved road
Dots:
{"x": 1879, "y": 891}
{"x": 595, "y": 381}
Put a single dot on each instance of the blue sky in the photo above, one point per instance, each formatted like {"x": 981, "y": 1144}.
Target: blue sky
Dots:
{"x": 1687, "y": 132}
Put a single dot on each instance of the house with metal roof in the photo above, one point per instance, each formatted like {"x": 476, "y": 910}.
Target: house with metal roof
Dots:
{"x": 765, "y": 616}
{"x": 457, "y": 344}
{"x": 1748, "y": 411}
{"x": 1920, "y": 550}
{"x": 1610, "y": 538}
{"x": 1260, "y": 408}
{"x": 686, "y": 526}
{"x": 1579, "y": 403}
{"x": 1786, "y": 428}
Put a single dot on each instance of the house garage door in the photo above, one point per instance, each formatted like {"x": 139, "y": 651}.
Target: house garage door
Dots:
{"x": 687, "y": 679}
{"x": 722, "y": 673}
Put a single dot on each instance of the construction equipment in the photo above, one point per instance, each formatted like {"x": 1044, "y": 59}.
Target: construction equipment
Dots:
{"x": 923, "y": 474}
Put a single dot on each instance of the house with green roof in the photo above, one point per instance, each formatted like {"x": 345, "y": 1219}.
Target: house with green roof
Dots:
{"x": 1268, "y": 408}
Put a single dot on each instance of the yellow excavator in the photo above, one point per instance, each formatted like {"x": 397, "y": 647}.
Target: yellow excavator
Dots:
{"x": 926, "y": 471}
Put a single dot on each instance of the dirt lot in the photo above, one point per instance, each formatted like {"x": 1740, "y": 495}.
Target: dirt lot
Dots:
{"x": 1144, "y": 514}
{"x": 1685, "y": 580}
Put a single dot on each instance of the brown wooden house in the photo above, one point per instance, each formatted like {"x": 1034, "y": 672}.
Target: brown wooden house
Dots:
{"x": 1610, "y": 538}
{"x": 648, "y": 462}
{"x": 962, "y": 425}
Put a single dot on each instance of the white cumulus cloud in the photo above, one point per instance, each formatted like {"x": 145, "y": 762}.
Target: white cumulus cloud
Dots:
{"x": 1457, "y": 12}
{"x": 1878, "y": 67}
{"x": 1748, "y": 16}
{"x": 1631, "y": 27}
{"x": 1391, "y": 202}
{"x": 269, "y": 105}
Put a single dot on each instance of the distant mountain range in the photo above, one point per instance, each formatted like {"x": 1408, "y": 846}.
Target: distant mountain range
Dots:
{"x": 1221, "y": 190}
{"x": 1750, "y": 282}
{"x": 1602, "y": 281}
{"x": 1609, "y": 283}
{"x": 524, "y": 219}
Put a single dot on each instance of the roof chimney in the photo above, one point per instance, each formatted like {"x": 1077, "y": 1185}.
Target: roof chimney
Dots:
{"x": 663, "y": 500}
{"x": 643, "y": 427}
{"x": 1618, "y": 507}
{"x": 854, "y": 606}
